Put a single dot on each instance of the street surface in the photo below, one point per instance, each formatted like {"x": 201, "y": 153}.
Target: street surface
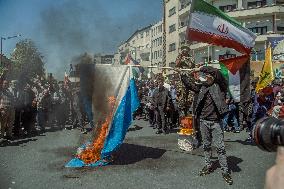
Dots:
{"x": 145, "y": 160}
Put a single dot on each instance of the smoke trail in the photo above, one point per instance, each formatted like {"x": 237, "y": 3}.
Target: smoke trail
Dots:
{"x": 72, "y": 27}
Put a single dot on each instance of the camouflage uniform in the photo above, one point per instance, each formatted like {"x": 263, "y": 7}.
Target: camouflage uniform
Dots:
{"x": 184, "y": 97}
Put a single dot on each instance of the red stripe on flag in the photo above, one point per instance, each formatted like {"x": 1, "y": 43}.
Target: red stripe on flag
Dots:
{"x": 127, "y": 61}
{"x": 194, "y": 35}
{"x": 235, "y": 64}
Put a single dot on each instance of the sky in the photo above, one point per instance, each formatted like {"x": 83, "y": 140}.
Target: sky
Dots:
{"x": 63, "y": 29}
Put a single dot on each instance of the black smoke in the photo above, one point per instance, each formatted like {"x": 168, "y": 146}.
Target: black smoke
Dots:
{"x": 72, "y": 27}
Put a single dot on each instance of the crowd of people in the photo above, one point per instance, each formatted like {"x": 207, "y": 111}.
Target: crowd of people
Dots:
{"x": 203, "y": 94}
{"x": 28, "y": 107}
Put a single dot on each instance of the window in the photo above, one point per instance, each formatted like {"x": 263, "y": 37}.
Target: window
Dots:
{"x": 172, "y": 11}
{"x": 161, "y": 53}
{"x": 226, "y": 56}
{"x": 172, "y": 28}
{"x": 141, "y": 35}
{"x": 260, "y": 30}
{"x": 279, "y": 2}
{"x": 184, "y": 4}
{"x": 172, "y": 47}
{"x": 255, "y": 4}
{"x": 280, "y": 28}
{"x": 228, "y": 8}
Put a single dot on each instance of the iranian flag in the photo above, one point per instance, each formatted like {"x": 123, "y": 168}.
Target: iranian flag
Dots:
{"x": 210, "y": 25}
{"x": 237, "y": 72}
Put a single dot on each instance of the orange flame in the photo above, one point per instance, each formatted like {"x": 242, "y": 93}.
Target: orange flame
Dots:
{"x": 92, "y": 153}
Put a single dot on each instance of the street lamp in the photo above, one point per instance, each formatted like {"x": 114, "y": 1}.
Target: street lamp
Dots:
{"x": 5, "y": 38}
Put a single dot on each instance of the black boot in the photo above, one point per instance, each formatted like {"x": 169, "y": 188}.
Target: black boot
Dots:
{"x": 159, "y": 131}
{"x": 227, "y": 177}
{"x": 205, "y": 171}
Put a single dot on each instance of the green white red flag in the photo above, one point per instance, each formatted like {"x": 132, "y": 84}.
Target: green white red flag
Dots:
{"x": 210, "y": 25}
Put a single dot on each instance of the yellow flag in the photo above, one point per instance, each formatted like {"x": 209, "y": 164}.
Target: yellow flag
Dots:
{"x": 267, "y": 74}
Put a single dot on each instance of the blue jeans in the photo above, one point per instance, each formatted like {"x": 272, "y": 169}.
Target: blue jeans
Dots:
{"x": 227, "y": 118}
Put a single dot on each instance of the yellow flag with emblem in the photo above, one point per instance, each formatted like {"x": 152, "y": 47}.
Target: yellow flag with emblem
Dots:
{"x": 267, "y": 74}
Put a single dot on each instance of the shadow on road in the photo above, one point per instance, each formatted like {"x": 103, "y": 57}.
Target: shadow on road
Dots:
{"x": 17, "y": 143}
{"x": 246, "y": 142}
{"x": 232, "y": 163}
{"x": 131, "y": 153}
{"x": 135, "y": 128}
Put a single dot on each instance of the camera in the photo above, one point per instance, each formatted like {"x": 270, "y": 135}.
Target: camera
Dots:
{"x": 268, "y": 133}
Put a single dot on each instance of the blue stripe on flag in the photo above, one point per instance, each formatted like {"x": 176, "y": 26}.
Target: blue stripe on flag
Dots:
{"x": 122, "y": 120}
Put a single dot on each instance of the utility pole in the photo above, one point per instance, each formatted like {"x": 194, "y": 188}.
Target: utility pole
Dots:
{"x": 5, "y": 38}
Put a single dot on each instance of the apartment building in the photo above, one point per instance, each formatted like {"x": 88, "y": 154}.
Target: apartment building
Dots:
{"x": 103, "y": 59}
{"x": 176, "y": 21}
{"x": 144, "y": 45}
{"x": 157, "y": 45}
{"x": 263, "y": 17}
{"x": 138, "y": 45}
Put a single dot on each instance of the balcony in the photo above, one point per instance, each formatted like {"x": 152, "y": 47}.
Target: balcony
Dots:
{"x": 183, "y": 24}
{"x": 257, "y": 11}
{"x": 184, "y": 10}
{"x": 184, "y": 5}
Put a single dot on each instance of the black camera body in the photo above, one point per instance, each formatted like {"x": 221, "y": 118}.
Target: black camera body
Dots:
{"x": 268, "y": 133}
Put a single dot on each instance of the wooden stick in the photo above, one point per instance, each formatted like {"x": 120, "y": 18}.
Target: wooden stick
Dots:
{"x": 170, "y": 68}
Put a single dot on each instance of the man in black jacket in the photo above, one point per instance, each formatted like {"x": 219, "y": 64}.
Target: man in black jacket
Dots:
{"x": 209, "y": 108}
{"x": 161, "y": 102}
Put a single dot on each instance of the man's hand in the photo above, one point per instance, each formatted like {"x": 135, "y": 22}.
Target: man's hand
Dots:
{"x": 275, "y": 175}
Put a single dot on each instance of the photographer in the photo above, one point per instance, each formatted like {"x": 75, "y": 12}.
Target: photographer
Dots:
{"x": 275, "y": 175}
{"x": 268, "y": 135}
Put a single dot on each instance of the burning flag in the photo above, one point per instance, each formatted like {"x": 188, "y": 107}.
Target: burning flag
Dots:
{"x": 122, "y": 101}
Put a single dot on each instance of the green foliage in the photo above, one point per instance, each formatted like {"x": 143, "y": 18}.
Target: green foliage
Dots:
{"x": 27, "y": 60}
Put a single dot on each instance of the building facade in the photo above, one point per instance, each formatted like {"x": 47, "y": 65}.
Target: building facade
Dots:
{"x": 103, "y": 59}
{"x": 138, "y": 45}
{"x": 157, "y": 44}
{"x": 176, "y": 21}
{"x": 263, "y": 17}
{"x": 144, "y": 45}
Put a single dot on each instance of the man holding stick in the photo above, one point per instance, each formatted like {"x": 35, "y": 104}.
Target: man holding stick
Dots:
{"x": 210, "y": 107}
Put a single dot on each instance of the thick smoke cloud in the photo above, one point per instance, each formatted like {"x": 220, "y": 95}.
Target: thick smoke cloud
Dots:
{"x": 95, "y": 84}
{"x": 72, "y": 27}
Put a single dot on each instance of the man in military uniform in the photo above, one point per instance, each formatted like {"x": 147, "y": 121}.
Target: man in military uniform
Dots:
{"x": 185, "y": 97}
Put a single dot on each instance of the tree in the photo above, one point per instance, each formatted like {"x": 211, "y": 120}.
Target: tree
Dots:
{"x": 27, "y": 61}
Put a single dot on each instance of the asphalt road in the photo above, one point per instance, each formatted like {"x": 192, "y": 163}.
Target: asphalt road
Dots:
{"x": 145, "y": 160}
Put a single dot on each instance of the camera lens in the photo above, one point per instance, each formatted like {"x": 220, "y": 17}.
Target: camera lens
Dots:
{"x": 268, "y": 133}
